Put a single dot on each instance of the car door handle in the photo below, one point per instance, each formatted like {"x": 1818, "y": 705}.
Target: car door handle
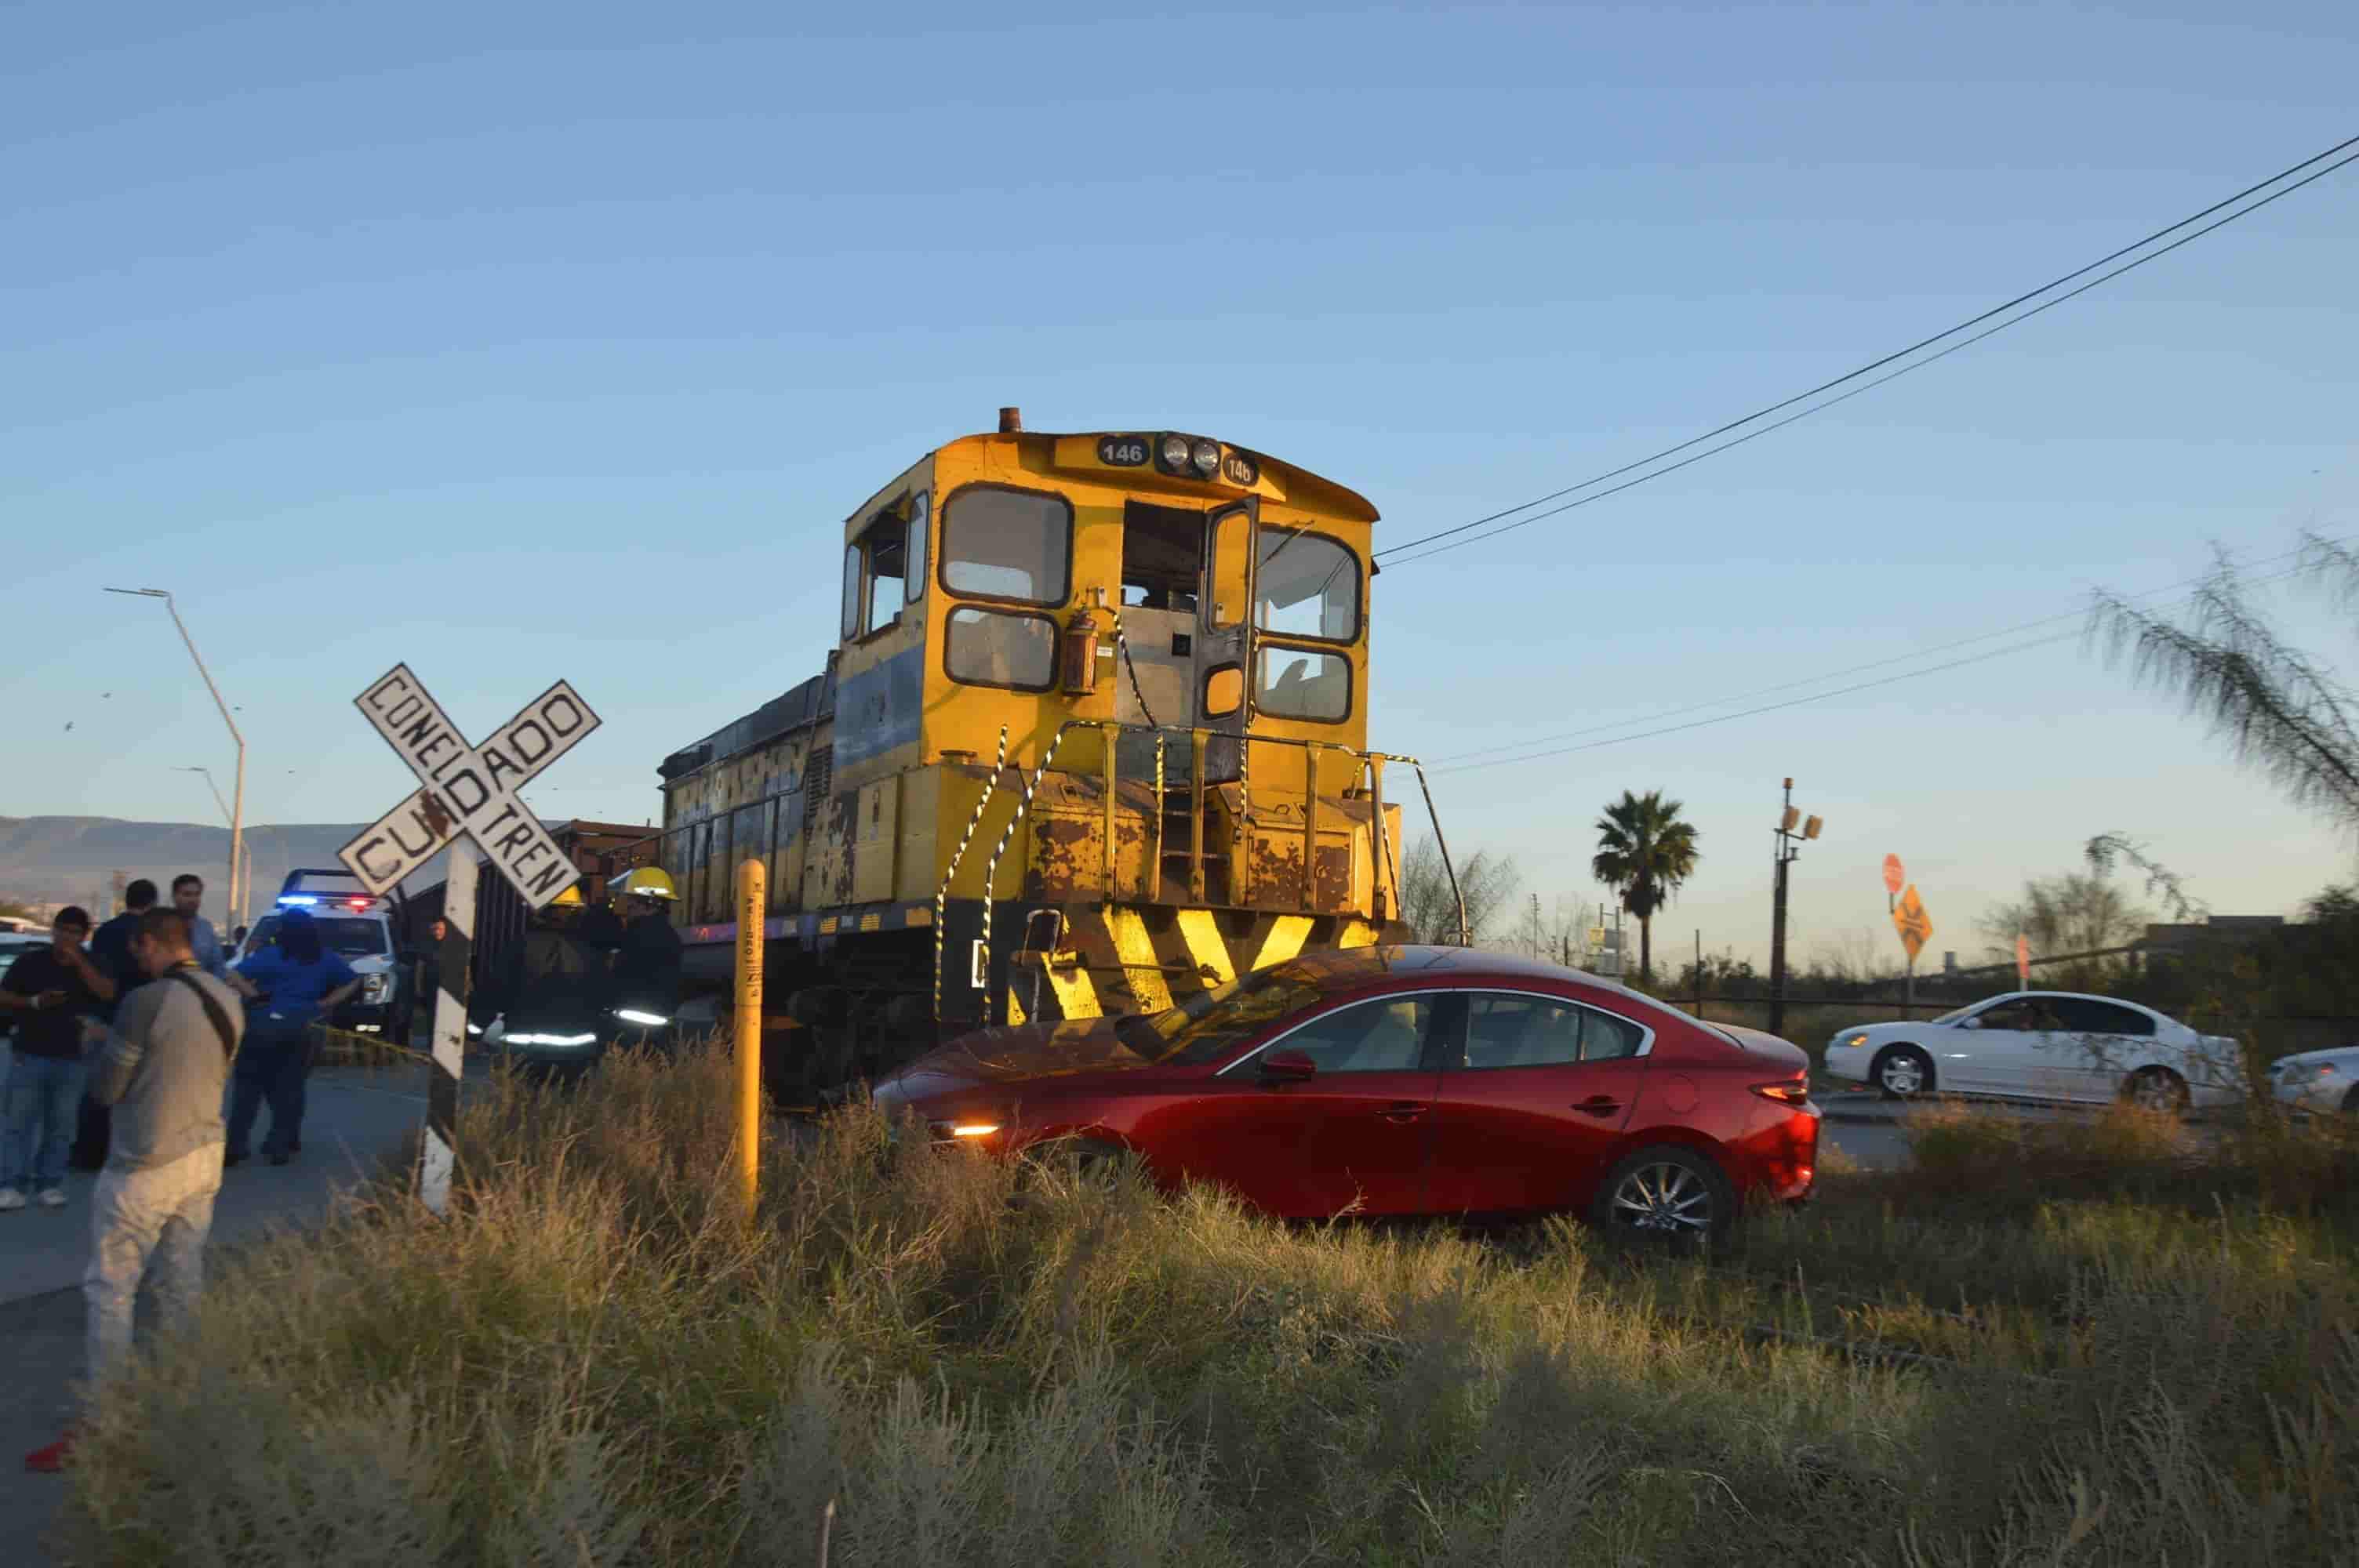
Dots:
{"x": 1405, "y": 1111}
{"x": 1597, "y": 1104}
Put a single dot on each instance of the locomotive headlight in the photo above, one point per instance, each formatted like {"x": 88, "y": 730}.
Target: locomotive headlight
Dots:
{"x": 1175, "y": 453}
{"x": 1206, "y": 458}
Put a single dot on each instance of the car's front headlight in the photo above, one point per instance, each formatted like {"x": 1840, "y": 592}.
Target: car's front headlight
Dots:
{"x": 1850, "y": 1039}
{"x": 374, "y": 988}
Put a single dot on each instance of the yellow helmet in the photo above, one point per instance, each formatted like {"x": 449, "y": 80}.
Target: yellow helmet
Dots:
{"x": 570, "y": 898}
{"x": 646, "y": 881}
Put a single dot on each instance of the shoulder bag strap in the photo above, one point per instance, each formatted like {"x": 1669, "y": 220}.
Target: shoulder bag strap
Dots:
{"x": 213, "y": 1012}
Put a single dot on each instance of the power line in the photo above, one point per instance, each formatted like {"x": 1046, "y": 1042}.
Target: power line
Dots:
{"x": 1879, "y": 381}
{"x": 1798, "y": 701}
{"x": 1914, "y": 653}
{"x": 1767, "y": 708}
{"x": 1888, "y": 358}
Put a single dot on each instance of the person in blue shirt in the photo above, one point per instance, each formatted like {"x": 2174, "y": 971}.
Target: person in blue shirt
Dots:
{"x": 288, "y": 985}
{"x": 188, "y": 896}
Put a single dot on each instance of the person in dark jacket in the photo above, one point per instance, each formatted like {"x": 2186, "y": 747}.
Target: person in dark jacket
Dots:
{"x": 647, "y": 965}
{"x": 425, "y": 982}
{"x": 296, "y": 982}
{"x": 552, "y": 994}
{"x": 110, "y": 949}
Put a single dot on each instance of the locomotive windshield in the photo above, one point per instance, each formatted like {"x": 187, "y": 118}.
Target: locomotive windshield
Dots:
{"x": 1309, "y": 586}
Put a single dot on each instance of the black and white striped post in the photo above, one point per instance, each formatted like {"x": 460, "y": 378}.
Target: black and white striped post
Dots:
{"x": 440, "y": 1154}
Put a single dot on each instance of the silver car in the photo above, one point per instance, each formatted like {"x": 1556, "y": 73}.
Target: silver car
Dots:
{"x": 2317, "y": 1080}
{"x": 2045, "y": 1045}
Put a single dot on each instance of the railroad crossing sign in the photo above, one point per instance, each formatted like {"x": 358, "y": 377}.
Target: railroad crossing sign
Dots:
{"x": 1916, "y": 926}
{"x": 468, "y": 790}
{"x": 464, "y": 793}
{"x": 1892, "y": 875}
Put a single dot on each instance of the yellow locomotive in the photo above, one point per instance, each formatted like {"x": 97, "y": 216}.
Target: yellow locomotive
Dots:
{"x": 1093, "y": 740}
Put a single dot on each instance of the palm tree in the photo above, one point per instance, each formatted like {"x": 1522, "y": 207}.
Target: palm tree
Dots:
{"x": 2278, "y": 707}
{"x": 1644, "y": 853}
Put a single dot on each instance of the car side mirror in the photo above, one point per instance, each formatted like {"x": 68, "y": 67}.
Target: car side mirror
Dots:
{"x": 1969, "y": 1024}
{"x": 1287, "y": 1068}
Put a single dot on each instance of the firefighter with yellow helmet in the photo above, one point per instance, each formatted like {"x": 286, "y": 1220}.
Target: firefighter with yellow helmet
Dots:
{"x": 646, "y": 962}
{"x": 551, "y": 1000}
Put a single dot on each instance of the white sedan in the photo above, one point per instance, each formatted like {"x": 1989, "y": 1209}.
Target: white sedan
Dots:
{"x": 2048, "y": 1045}
{"x": 2317, "y": 1080}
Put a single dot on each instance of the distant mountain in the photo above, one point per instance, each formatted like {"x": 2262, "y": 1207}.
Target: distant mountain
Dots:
{"x": 74, "y": 858}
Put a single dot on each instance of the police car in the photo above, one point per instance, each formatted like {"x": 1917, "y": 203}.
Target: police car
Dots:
{"x": 357, "y": 927}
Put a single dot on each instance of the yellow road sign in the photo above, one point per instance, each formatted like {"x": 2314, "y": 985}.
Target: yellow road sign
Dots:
{"x": 1916, "y": 926}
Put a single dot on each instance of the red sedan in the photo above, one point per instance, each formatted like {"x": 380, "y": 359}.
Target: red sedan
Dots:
{"x": 1403, "y": 1080}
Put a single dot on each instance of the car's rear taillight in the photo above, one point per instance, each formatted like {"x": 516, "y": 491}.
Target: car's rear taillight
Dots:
{"x": 1788, "y": 1091}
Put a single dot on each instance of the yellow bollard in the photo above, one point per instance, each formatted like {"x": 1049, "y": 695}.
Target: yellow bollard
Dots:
{"x": 749, "y": 1028}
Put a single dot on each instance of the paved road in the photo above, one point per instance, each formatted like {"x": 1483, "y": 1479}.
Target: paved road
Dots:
{"x": 1872, "y": 1139}
{"x": 352, "y": 1118}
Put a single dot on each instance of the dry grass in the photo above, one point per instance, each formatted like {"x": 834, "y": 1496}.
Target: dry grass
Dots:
{"x": 597, "y": 1361}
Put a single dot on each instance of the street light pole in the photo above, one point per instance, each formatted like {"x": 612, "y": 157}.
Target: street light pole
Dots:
{"x": 237, "y": 809}
{"x": 240, "y": 892}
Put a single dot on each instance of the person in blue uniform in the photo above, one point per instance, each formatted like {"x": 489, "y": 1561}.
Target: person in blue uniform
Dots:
{"x": 293, "y": 983}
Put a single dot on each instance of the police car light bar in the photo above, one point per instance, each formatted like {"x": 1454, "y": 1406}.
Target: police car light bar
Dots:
{"x": 297, "y": 898}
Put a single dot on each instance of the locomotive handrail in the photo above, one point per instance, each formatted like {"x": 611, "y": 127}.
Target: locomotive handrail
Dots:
{"x": 943, "y": 894}
{"x": 1373, "y": 763}
{"x": 990, "y": 873}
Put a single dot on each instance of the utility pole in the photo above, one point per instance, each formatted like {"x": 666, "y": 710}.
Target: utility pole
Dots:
{"x": 1787, "y": 846}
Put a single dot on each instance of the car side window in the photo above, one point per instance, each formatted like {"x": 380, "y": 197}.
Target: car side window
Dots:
{"x": 2010, "y": 1015}
{"x": 1506, "y": 1030}
{"x": 1386, "y": 1035}
{"x": 2085, "y": 1016}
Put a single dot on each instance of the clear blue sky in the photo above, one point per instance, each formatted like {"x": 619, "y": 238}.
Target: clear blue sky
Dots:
{"x": 532, "y": 340}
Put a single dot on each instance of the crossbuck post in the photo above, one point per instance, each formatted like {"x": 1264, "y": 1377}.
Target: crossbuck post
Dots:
{"x": 450, "y": 1032}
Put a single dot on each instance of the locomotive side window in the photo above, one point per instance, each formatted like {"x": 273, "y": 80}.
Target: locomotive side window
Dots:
{"x": 1303, "y": 683}
{"x": 920, "y": 530}
{"x": 1013, "y": 545}
{"x": 886, "y": 543}
{"x": 1309, "y": 586}
{"x": 852, "y": 586}
{"x": 995, "y": 647}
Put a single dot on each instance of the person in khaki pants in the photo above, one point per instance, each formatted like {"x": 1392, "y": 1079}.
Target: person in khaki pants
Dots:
{"x": 162, "y": 1065}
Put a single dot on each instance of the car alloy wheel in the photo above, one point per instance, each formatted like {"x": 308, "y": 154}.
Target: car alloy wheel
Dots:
{"x": 1663, "y": 1196}
{"x": 1904, "y": 1073}
{"x": 2159, "y": 1089}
